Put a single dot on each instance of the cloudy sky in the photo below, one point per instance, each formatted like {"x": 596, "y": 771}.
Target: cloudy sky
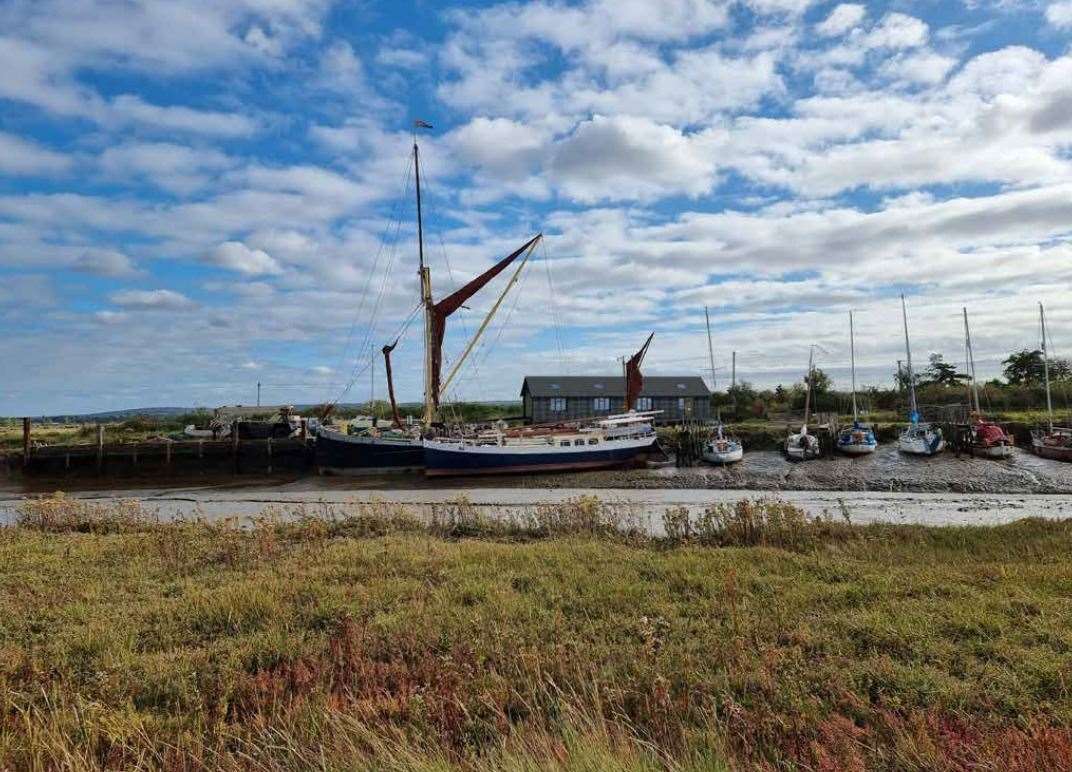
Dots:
{"x": 196, "y": 196}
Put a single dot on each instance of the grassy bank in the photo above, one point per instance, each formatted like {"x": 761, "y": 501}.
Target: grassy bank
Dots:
{"x": 752, "y": 638}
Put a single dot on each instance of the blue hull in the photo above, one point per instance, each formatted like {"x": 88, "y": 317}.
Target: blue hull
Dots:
{"x": 367, "y": 456}
{"x": 440, "y": 462}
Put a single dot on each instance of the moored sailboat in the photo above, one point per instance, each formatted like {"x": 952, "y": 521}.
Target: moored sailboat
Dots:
{"x": 623, "y": 440}
{"x": 985, "y": 438}
{"x": 719, "y": 449}
{"x": 919, "y": 439}
{"x": 858, "y": 439}
{"x": 801, "y": 446}
{"x": 1054, "y": 441}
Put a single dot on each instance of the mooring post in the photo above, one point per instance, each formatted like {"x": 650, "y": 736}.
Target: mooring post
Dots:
{"x": 167, "y": 453}
{"x": 234, "y": 444}
{"x": 26, "y": 441}
{"x": 304, "y": 429}
{"x": 269, "y": 447}
{"x": 100, "y": 448}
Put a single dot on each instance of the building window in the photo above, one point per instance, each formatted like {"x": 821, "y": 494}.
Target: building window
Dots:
{"x": 578, "y": 442}
{"x": 601, "y": 404}
{"x": 643, "y": 403}
{"x": 558, "y": 404}
{"x": 681, "y": 405}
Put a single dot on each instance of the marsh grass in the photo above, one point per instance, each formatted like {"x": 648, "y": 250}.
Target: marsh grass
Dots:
{"x": 374, "y": 637}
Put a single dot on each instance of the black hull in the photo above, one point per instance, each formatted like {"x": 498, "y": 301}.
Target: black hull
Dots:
{"x": 365, "y": 455}
{"x": 444, "y": 463}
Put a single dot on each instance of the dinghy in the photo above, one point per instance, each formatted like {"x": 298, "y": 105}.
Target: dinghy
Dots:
{"x": 858, "y": 439}
{"x": 919, "y": 439}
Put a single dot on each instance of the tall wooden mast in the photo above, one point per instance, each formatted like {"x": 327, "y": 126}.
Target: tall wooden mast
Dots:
{"x": 426, "y": 286}
{"x": 974, "y": 390}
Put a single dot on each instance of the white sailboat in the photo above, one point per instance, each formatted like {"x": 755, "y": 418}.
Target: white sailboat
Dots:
{"x": 802, "y": 446}
{"x": 858, "y": 439}
{"x": 919, "y": 439}
{"x": 719, "y": 449}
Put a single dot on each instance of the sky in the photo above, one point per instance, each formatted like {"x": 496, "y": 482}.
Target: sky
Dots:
{"x": 199, "y": 196}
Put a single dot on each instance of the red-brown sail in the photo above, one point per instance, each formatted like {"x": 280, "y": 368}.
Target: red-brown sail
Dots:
{"x": 451, "y": 303}
{"x": 391, "y": 384}
{"x": 634, "y": 381}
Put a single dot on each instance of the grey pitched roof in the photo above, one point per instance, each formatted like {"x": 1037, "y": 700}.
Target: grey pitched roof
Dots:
{"x": 612, "y": 386}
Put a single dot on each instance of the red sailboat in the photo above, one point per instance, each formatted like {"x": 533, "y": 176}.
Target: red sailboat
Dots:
{"x": 985, "y": 438}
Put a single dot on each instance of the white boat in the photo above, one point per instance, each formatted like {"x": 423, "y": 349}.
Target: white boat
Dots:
{"x": 919, "y": 439}
{"x": 722, "y": 450}
{"x": 802, "y": 446}
{"x": 858, "y": 439}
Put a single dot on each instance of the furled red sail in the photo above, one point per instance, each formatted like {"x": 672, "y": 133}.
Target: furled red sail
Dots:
{"x": 451, "y": 303}
{"x": 391, "y": 384}
{"x": 634, "y": 381}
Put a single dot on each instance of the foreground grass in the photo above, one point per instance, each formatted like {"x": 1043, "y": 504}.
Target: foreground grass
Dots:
{"x": 754, "y": 638}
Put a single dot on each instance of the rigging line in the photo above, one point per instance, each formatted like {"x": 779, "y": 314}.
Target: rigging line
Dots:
{"x": 555, "y": 318}
{"x": 396, "y": 217}
{"x": 370, "y": 330}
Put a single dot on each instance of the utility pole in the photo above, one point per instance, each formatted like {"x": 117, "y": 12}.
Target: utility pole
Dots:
{"x": 258, "y": 393}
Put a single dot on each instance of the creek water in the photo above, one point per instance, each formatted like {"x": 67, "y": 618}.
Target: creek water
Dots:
{"x": 884, "y": 487}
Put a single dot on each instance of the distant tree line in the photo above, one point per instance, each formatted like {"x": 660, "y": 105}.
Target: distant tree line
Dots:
{"x": 938, "y": 383}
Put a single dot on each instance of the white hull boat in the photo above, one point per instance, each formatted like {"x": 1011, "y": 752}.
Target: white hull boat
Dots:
{"x": 723, "y": 451}
{"x": 802, "y": 446}
{"x": 921, "y": 440}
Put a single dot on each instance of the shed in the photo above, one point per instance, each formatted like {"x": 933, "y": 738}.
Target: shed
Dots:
{"x": 548, "y": 398}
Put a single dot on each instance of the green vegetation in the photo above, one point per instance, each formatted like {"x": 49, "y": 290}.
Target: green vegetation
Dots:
{"x": 365, "y": 639}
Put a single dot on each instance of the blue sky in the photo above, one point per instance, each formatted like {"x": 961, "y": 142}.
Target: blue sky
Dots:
{"x": 196, "y": 196}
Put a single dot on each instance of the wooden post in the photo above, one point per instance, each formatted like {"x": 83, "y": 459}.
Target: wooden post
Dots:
{"x": 268, "y": 446}
{"x": 26, "y": 441}
{"x": 100, "y": 448}
{"x": 304, "y": 429}
{"x": 167, "y": 453}
{"x": 234, "y": 444}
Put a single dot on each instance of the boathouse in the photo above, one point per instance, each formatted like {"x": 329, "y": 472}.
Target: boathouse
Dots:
{"x": 547, "y": 398}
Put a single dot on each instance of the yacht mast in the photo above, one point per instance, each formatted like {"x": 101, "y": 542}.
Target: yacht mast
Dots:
{"x": 852, "y": 360}
{"x": 1046, "y": 366}
{"x": 710, "y": 347}
{"x": 913, "y": 408}
{"x": 971, "y": 365}
{"x": 807, "y": 392}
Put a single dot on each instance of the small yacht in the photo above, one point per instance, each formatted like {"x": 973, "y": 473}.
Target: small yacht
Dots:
{"x": 721, "y": 449}
{"x": 858, "y": 439}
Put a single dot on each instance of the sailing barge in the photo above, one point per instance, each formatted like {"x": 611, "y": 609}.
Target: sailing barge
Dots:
{"x": 399, "y": 449}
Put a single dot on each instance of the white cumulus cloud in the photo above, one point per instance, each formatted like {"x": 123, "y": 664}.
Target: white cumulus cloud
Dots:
{"x": 236, "y": 256}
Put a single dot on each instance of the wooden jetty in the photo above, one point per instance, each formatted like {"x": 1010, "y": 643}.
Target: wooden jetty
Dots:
{"x": 161, "y": 457}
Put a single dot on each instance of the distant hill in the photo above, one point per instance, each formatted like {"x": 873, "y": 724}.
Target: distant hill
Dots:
{"x": 112, "y": 416}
